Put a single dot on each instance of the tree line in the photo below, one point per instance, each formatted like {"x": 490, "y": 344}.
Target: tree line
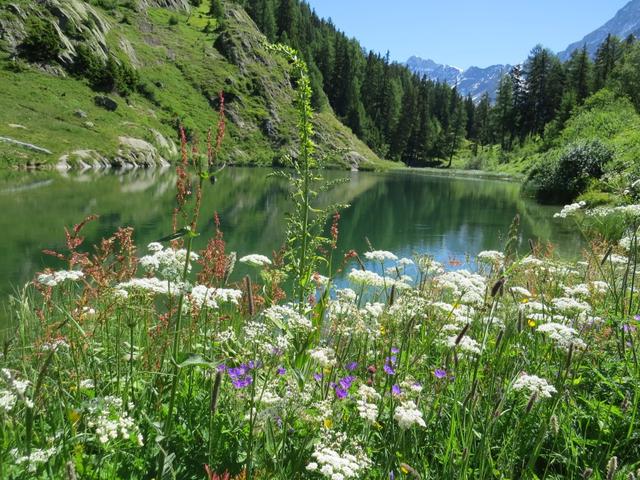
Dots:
{"x": 413, "y": 119}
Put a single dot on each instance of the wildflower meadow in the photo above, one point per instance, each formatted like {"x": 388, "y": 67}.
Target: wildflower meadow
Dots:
{"x": 157, "y": 362}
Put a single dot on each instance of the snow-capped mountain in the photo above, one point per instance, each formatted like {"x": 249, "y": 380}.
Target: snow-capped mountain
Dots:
{"x": 473, "y": 81}
{"x": 626, "y": 22}
{"x": 435, "y": 71}
{"x": 476, "y": 81}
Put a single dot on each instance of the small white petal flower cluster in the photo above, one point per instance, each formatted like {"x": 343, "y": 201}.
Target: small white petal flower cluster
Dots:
{"x": 366, "y": 278}
{"x": 109, "y": 420}
{"x": 629, "y": 211}
{"x": 18, "y": 386}
{"x": 562, "y": 335}
{"x": 469, "y": 287}
{"x": 367, "y": 410}
{"x": 520, "y": 292}
{"x": 255, "y": 260}
{"x": 570, "y": 210}
{"x": 567, "y": 305}
{"x": 7, "y": 401}
{"x": 407, "y": 415}
{"x": 167, "y": 263}
{"x": 428, "y": 266}
{"x": 36, "y": 458}
{"x": 534, "y": 385}
{"x": 580, "y": 290}
{"x": 380, "y": 256}
{"x": 492, "y": 257}
{"x": 325, "y": 357}
{"x": 203, "y": 296}
{"x": 337, "y": 463}
{"x": 151, "y": 285}
{"x": 287, "y": 317}
{"x": 56, "y": 278}
{"x": 467, "y": 345}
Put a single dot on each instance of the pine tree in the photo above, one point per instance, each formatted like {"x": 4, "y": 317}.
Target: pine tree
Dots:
{"x": 504, "y": 112}
{"x": 216, "y": 9}
{"x": 579, "y": 73}
{"x": 607, "y": 57}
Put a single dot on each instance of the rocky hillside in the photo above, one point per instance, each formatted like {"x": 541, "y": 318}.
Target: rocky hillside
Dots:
{"x": 107, "y": 82}
{"x": 625, "y": 22}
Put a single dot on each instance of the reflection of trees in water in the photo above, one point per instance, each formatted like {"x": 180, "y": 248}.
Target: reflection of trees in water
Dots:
{"x": 393, "y": 210}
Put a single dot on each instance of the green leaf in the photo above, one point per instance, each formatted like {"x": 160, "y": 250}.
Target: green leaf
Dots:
{"x": 195, "y": 360}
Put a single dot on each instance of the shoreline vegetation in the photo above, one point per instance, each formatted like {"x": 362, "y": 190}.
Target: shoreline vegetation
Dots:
{"x": 74, "y": 87}
{"x": 146, "y": 363}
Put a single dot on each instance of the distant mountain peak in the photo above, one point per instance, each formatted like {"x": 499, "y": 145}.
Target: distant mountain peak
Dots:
{"x": 474, "y": 81}
{"x": 625, "y": 22}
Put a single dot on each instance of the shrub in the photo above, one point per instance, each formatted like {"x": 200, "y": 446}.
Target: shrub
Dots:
{"x": 109, "y": 76}
{"x": 42, "y": 42}
{"x": 561, "y": 179}
{"x": 173, "y": 20}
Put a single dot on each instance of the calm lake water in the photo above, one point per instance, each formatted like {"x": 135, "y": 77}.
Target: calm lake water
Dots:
{"x": 404, "y": 212}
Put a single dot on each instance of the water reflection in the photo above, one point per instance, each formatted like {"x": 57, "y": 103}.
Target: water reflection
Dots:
{"x": 401, "y": 212}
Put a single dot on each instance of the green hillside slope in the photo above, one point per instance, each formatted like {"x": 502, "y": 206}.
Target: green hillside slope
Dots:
{"x": 108, "y": 82}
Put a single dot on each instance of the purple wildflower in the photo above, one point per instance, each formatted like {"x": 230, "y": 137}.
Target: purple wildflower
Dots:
{"x": 317, "y": 377}
{"x": 352, "y": 366}
{"x": 341, "y": 393}
{"x": 392, "y": 475}
{"x": 395, "y": 350}
{"x": 395, "y": 390}
{"x": 388, "y": 369}
{"x": 440, "y": 373}
{"x": 221, "y": 368}
{"x": 281, "y": 371}
{"x": 242, "y": 382}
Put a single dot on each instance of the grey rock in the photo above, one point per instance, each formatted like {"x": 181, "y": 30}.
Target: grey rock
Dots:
{"x": 80, "y": 114}
{"x": 105, "y": 102}
{"x": 28, "y": 146}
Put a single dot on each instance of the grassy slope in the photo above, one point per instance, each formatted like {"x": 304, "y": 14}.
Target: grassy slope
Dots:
{"x": 184, "y": 71}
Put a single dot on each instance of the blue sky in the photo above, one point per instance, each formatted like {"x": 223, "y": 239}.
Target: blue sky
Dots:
{"x": 466, "y": 32}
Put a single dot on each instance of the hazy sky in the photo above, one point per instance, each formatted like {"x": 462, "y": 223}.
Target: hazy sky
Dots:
{"x": 466, "y": 32}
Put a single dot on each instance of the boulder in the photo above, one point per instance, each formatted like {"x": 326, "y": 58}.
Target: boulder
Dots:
{"x": 105, "y": 102}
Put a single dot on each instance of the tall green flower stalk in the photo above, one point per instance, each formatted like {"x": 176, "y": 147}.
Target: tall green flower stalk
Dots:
{"x": 305, "y": 227}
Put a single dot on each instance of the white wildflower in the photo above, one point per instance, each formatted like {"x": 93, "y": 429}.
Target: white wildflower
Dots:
{"x": 325, "y": 357}
{"x": 467, "y": 345}
{"x": 562, "y": 335}
{"x": 255, "y": 260}
{"x": 7, "y": 400}
{"x": 569, "y": 210}
{"x": 535, "y": 385}
{"x": 56, "y": 278}
{"x": 407, "y": 415}
{"x": 203, "y": 296}
{"x": 287, "y": 317}
{"x": 36, "y": 458}
{"x": 380, "y": 256}
{"x": 492, "y": 257}
{"x": 366, "y": 278}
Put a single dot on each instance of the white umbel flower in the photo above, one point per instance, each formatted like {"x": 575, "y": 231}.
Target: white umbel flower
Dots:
{"x": 407, "y": 415}
{"x": 56, "y": 278}
{"x": 380, "y": 256}
{"x": 255, "y": 260}
{"x": 534, "y": 385}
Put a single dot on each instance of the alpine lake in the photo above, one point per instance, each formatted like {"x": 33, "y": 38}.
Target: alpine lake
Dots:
{"x": 405, "y": 212}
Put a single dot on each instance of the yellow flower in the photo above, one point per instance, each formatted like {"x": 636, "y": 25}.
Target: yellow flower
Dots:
{"x": 404, "y": 469}
{"x": 524, "y": 300}
{"x": 382, "y": 330}
{"x": 328, "y": 423}
{"x": 531, "y": 323}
